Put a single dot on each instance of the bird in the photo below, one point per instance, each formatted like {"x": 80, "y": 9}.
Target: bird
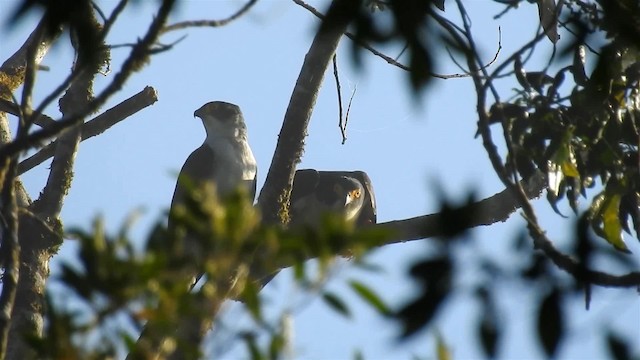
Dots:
{"x": 224, "y": 159}
{"x": 347, "y": 194}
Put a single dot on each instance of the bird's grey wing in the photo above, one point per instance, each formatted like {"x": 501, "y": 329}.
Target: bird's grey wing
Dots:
{"x": 197, "y": 169}
{"x": 304, "y": 184}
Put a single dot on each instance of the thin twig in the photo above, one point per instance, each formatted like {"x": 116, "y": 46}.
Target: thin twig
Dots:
{"x": 343, "y": 130}
{"x": 209, "y": 23}
{"x": 346, "y": 117}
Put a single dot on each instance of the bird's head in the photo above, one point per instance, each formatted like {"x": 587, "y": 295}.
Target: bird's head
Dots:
{"x": 222, "y": 119}
{"x": 350, "y": 196}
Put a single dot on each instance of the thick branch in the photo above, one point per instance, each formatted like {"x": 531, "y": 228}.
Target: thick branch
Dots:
{"x": 275, "y": 193}
{"x": 77, "y": 96}
{"x": 97, "y": 125}
{"x": 491, "y": 210}
{"x": 10, "y": 254}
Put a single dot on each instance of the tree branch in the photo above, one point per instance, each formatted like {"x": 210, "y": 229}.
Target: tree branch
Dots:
{"x": 77, "y": 96}
{"x": 496, "y": 208}
{"x": 137, "y": 56}
{"x": 210, "y": 23}
{"x": 40, "y": 119}
{"x": 97, "y": 125}
{"x": 10, "y": 254}
{"x": 274, "y": 196}
{"x": 540, "y": 240}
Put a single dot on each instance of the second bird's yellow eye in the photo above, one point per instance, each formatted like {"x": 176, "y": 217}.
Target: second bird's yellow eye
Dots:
{"x": 355, "y": 193}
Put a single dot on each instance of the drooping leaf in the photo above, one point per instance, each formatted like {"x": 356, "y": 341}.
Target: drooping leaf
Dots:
{"x": 551, "y": 322}
{"x": 612, "y": 230}
{"x": 579, "y": 74}
{"x": 488, "y": 325}
{"x": 548, "y": 15}
{"x": 336, "y": 303}
{"x": 370, "y": 297}
{"x": 436, "y": 278}
{"x": 618, "y": 348}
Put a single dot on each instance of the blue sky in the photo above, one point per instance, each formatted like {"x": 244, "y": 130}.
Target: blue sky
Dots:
{"x": 404, "y": 145}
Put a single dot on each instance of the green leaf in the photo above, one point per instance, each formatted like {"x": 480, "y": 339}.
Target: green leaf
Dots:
{"x": 336, "y": 304}
{"x": 612, "y": 228}
{"x": 370, "y": 297}
{"x": 442, "y": 350}
{"x": 357, "y": 355}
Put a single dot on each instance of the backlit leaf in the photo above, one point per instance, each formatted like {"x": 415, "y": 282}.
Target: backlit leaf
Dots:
{"x": 369, "y": 296}
{"x": 612, "y": 228}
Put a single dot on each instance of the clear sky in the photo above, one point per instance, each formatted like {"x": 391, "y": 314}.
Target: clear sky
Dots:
{"x": 405, "y": 146}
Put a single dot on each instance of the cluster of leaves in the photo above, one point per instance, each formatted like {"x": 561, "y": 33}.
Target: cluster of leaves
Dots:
{"x": 115, "y": 287}
{"x": 438, "y": 278}
{"x": 580, "y": 133}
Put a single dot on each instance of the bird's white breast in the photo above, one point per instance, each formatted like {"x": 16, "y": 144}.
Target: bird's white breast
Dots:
{"x": 234, "y": 162}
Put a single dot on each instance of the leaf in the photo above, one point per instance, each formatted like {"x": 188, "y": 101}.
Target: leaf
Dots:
{"x": 547, "y": 13}
{"x": 611, "y": 227}
{"x": 579, "y": 74}
{"x": 436, "y": 275}
{"x": 554, "y": 178}
{"x": 488, "y": 325}
{"x": 336, "y": 303}
{"x": 618, "y": 348}
{"x": 551, "y": 322}
{"x": 252, "y": 301}
{"x": 357, "y": 355}
{"x": 442, "y": 350}
{"x": 370, "y": 297}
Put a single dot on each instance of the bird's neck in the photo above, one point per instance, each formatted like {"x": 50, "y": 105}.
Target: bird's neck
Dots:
{"x": 235, "y": 135}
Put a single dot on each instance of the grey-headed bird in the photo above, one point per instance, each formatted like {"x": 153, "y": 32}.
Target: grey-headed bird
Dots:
{"x": 224, "y": 160}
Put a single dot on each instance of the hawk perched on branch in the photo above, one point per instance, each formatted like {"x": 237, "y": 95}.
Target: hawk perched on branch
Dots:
{"x": 224, "y": 160}
{"x": 346, "y": 193}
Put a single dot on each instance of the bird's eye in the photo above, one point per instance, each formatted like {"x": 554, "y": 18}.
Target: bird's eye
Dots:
{"x": 355, "y": 193}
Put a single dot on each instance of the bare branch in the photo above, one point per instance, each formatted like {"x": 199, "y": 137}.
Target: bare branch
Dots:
{"x": 209, "y": 23}
{"x": 138, "y": 54}
{"x": 346, "y": 116}
{"x": 13, "y": 109}
{"x": 97, "y": 125}
{"x": 336, "y": 76}
{"x": 77, "y": 96}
